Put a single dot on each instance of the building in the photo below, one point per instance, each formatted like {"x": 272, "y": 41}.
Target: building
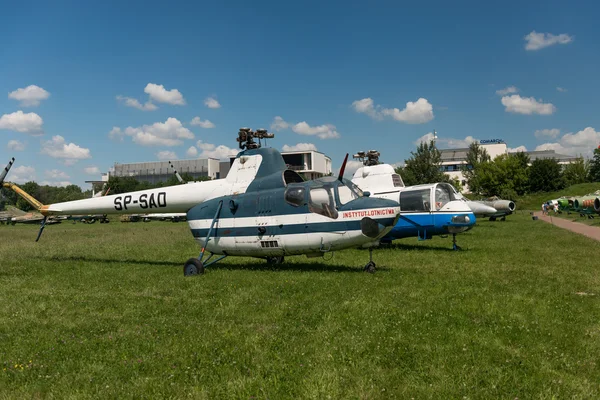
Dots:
{"x": 454, "y": 160}
{"x": 160, "y": 171}
{"x": 312, "y": 164}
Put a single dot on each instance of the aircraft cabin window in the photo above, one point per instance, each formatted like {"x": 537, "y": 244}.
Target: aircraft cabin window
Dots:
{"x": 443, "y": 195}
{"x": 415, "y": 200}
{"x": 295, "y": 196}
{"x": 321, "y": 202}
{"x": 397, "y": 180}
{"x": 346, "y": 194}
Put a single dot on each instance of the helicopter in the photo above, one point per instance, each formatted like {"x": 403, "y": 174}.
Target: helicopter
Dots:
{"x": 426, "y": 210}
{"x": 261, "y": 209}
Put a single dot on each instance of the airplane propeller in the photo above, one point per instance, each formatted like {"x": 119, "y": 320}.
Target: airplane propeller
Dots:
{"x": 6, "y": 169}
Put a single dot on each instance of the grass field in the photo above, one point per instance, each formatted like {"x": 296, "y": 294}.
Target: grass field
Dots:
{"x": 103, "y": 311}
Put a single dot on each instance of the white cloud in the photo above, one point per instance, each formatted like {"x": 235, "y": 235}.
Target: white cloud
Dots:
{"x": 168, "y": 133}
{"x": 192, "y": 152}
{"x": 56, "y": 174}
{"x": 21, "y": 122}
{"x": 159, "y": 94}
{"x": 326, "y": 131}
{"x": 537, "y": 41}
{"x": 446, "y": 143}
{"x": 30, "y": 96}
{"x": 211, "y": 151}
{"x": 560, "y": 89}
{"x": 279, "y": 124}
{"x": 55, "y": 183}
{"x": 58, "y": 148}
{"x": 131, "y": 102}
{"x": 547, "y": 133}
{"x": 366, "y": 106}
{"x": 196, "y": 121}
{"x": 580, "y": 143}
{"x": 211, "y": 102}
{"x": 299, "y": 147}
{"x": 527, "y": 105}
{"x": 166, "y": 155}
{"x": 15, "y": 145}
{"x": 418, "y": 112}
{"x": 507, "y": 90}
{"x": 517, "y": 149}
{"x": 92, "y": 170}
{"x": 22, "y": 174}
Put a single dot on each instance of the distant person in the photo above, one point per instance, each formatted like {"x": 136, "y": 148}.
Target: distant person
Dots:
{"x": 544, "y": 209}
{"x": 555, "y": 208}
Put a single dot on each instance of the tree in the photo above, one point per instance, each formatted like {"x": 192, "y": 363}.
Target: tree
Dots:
{"x": 545, "y": 175}
{"x": 476, "y": 156}
{"x": 576, "y": 172}
{"x": 506, "y": 176}
{"x": 32, "y": 188}
{"x": 423, "y": 166}
{"x": 594, "y": 173}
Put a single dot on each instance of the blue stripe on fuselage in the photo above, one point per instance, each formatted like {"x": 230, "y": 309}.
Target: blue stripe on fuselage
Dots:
{"x": 289, "y": 229}
{"x": 426, "y": 224}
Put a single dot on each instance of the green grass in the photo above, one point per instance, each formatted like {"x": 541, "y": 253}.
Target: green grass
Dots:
{"x": 534, "y": 201}
{"x": 103, "y": 311}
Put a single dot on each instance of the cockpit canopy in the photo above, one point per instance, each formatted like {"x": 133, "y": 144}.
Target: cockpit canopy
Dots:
{"x": 419, "y": 198}
{"x": 324, "y": 196}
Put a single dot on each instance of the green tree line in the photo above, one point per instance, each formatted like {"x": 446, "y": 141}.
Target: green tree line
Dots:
{"x": 507, "y": 176}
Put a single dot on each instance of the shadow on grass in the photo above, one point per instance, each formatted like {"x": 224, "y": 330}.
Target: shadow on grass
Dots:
{"x": 404, "y": 246}
{"x": 225, "y": 265}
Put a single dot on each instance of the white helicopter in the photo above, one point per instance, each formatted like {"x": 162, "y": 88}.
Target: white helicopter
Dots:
{"x": 426, "y": 210}
{"x": 260, "y": 210}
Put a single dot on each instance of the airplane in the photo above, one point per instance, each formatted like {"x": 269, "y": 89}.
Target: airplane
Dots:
{"x": 502, "y": 207}
{"x": 173, "y": 217}
{"x": 426, "y": 210}
{"x": 13, "y": 216}
{"x": 261, "y": 209}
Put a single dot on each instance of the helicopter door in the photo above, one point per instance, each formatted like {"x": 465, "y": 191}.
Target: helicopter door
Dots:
{"x": 416, "y": 215}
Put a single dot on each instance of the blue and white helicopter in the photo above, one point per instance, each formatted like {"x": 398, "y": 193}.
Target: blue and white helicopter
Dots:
{"x": 426, "y": 210}
{"x": 262, "y": 209}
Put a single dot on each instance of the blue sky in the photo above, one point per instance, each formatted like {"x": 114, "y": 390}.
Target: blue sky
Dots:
{"x": 341, "y": 76}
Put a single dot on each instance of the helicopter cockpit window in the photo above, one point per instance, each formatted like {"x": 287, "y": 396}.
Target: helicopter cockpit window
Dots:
{"x": 443, "y": 194}
{"x": 346, "y": 194}
{"x": 322, "y": 202}
{"x": 415, "y": 200}
{"x": 295, "y": 196}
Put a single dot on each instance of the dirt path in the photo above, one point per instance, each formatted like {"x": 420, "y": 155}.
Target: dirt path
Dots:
{"x": 589, "y": 231}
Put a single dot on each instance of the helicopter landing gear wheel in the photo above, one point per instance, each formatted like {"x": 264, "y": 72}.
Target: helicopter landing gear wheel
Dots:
{"x": 371, "y": 266}
{"x": 275, "y": 260}
{"x": 193, "y": 266}
{"x": 454, "y": 245}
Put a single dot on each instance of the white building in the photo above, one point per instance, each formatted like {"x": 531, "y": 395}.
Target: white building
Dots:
{"x": 310, "y": 163}
{"x": 454, "y": 160}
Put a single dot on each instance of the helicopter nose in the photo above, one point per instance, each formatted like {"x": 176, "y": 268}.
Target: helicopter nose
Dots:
{"x": 371, "y": 228}
{"x": 377, "y": 216}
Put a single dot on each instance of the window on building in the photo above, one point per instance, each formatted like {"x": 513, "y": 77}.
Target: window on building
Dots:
{"x": 415, "y": 200}
{"x": 322, "y": 202}
{"x": 295, "y": 196}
